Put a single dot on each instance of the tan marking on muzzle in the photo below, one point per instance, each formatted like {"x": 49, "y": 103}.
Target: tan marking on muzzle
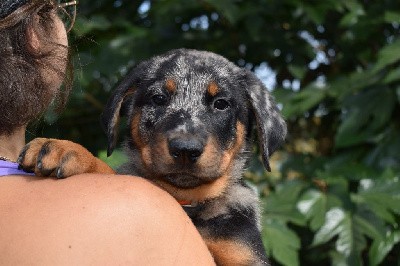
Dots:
{"x": 197, "y": 194}
{"x": 230, "y": 154}
{"x": 217, "y": 187}
{"x": 210, "y": 155}
{"x": 161, "y": 151}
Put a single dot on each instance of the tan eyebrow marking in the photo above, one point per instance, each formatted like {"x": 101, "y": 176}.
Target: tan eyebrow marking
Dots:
{"x": 170, "y": 85}
{"x": 212, "y": 88}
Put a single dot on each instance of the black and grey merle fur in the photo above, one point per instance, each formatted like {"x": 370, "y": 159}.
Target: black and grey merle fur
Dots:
{"x": 187, "y": 110}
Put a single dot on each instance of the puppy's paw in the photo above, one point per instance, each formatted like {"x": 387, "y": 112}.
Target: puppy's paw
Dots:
{"x": 59, "y": 158}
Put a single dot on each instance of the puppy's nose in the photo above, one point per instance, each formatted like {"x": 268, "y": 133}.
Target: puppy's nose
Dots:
{"x": 185, "y": 149}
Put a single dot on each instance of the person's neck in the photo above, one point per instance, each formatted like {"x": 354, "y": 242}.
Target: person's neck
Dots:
{"x": 11, "y": 145}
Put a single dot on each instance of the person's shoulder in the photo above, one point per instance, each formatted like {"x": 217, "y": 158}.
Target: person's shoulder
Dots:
{"x": 82, "y": 188}
{"x": 100, "y": 189}
{"x": 101, "y": 219}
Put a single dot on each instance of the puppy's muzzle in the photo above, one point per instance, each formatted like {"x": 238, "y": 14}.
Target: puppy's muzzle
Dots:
{"x": 185, "y": 149}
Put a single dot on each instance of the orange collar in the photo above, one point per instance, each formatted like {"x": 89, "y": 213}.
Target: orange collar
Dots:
{"x": 187, "y": 203}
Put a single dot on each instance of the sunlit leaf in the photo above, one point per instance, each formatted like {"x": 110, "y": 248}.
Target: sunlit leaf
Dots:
{"x": 281, "y": 204}
{"x": 382, "y": 197}
{"x": 115, "y": 160}
{"x": 350, "y": 231}
{"x": 381, "y": 247}
{"x": 333, "y": 220}
{"x": 281, "y": 242}
{"x": 313, "y": 205}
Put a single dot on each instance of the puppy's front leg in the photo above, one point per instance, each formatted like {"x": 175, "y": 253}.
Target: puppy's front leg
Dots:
{"x": 233, "y": 239}
{"x": 60, "y": 158}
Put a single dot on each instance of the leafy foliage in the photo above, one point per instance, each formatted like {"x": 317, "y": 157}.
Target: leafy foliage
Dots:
{"x": 334, "y": 67}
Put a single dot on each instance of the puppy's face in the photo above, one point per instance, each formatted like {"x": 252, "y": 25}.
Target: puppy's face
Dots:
{"x": 189, "y": 120}
{"x": 189, "y": 114}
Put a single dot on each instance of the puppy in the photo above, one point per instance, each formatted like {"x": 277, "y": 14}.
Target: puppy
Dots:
{"x": 190, "y": 116}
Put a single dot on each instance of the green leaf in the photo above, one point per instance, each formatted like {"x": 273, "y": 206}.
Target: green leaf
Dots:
{"x": 317, "y": 11}
{"x": 366, "y": 227}
{"x": 351, "y": 18}
{"x": 281, "y": 242}
{"x": 115, "y": 160}
{"x": 338, "y": 259}
{"x": 382, "y": 197}
{"x": 350, "y": 231}
{"x": 314, "y": 15}
{"x": 365, "y": 116}
{"x": 334, "y": 218}
{"x": 338, "y": 186}
{"x": 382, "y": 205}
{"x": 381, "y": 247}
{"x": 303, "y": 101}
{"x": 391, "y": 17}
{"x": 281, "y": 204}
{"x": 84, "y": 25}
{"x": 313, "y": 205}
{"x": 297, "y": 71}
{"x": 348, "y": 85}
{"x": 346, "y": 164}
{"x": 387, "y": 182}
{"x": 388, "y": 55}
{"x": 255, "y": 26}
{"x": 227, "y": 8}
{"x": 392, "y": 76}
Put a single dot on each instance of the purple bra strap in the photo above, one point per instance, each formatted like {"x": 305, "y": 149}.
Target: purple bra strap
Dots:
{"x": 10, "y": 168}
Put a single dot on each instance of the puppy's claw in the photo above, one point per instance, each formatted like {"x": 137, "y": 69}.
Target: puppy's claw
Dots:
{"x": 59, "y": 173}
{"x": 22, "y": 155}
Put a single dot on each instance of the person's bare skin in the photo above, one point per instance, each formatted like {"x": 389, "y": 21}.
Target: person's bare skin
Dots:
{"x": 86, "y": 219}
{"x": 94, "y": 220}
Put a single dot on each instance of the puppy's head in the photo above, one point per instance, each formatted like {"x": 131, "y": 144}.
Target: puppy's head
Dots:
{"x": 190, "y": 113}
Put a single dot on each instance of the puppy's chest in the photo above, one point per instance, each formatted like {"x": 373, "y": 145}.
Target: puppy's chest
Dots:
{"x": 243, "y": 205}
{"x": 202, "y": 213}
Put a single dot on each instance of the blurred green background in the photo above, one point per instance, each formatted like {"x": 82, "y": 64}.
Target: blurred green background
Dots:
{"x": 333, "y": 197}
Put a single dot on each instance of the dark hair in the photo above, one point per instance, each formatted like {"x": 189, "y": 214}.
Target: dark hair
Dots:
{"x": 25, "y": 96}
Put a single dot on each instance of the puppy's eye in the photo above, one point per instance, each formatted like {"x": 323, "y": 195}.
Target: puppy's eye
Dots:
{"x": 221, "y": 104}
{"x": 159, "y": 99}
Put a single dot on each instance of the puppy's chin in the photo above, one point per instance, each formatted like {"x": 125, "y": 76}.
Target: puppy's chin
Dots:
{"x": 184, "y": 181}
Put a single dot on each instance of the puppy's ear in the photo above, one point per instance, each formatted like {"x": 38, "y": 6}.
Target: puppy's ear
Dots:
{"x": 271, "y": 127}
{"x": 114, "y": 109}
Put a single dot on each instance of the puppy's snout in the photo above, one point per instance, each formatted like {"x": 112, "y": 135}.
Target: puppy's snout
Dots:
{"x": 185, "y": 149}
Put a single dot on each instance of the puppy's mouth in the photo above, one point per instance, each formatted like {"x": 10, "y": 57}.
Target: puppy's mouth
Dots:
{"x": 185, "y": 181}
